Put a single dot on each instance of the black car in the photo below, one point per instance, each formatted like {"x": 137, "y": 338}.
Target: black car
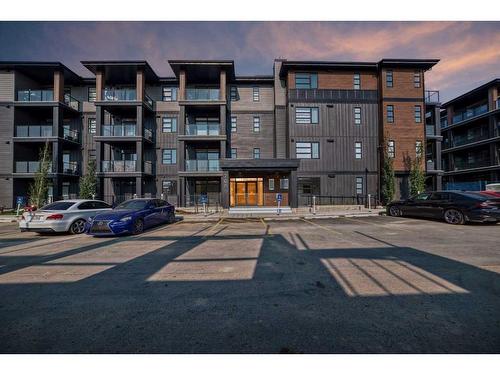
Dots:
{"x": 455, "y": 207}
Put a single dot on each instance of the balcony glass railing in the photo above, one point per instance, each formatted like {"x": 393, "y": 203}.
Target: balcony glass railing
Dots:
{"x": 119, "y": 166}
{"x": 148, "y": 167}
{"x": 71, "y": 135}
{"x": 120, "y": 130}
{"x": 148, "y": 134}
{"x": 202, "y": 94}
{"x": 33, "y": 131}
{"x": 430, "y": 130}
{"x": 70, "y": 167}
{"x": 497, "y": 104}
{"x": 203, "y": 129}
{"x": 119, "y": 95}
{"x": 460, "y": 165}
{"x": 431, "y": 96}
{"x": 29, "y": 167}
{"x": 470, "y": 113}
{"x": 195, "y": 165}
{"x": 30, "y": 95}
{"x": 71, "y": 102}
{"x": 148, "y": 100}
{"x": 460, "y": 141}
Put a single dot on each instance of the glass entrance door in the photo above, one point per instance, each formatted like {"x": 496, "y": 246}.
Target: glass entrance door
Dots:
{"x": 246, "y": 192}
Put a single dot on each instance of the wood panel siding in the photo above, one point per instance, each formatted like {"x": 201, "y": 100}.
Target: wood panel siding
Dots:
{"x": 245, "y": 101}
{"x": 340, "y": 80}
{"x": 7, "y": 86}
{"x": 245, "y": 140}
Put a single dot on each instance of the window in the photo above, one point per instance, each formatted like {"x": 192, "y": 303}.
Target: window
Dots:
{"x": 234, "y": 153}
{"x": 169, "y": 156}
{"x": 256, "y": 124}
{"x": 306, "y": 115}
{"x": 357, "y": 115}
{"x": 256, "y": 94}
{"x": 418, "y": 114}
{"x": 391, "y": 149}
{"x": 169, "y": 124}
{"x": 416, "y": 79}
{"x": 306, "y": 81}
{"x": 92, "y": 94}
{"x": 390, "y": 113}
{"x": 256, "y": 153}
{"x": 359, "y": 185}
{"x": 284, "y": 183}
{"x": 357, "y": 81}
{"x": 234, "y": 124}
{"x": 233, "y": 93}
{"x": 169, "y": 94}
{"x": 418, "y": 149}
{"x": 92, "y": 127}
{"x": 358, "y": 150}
{"x": 169, "y": 187}
{"x": 307, "y": 150}
{"x": 271, "y": 184}
{"x": 389, "y": 79}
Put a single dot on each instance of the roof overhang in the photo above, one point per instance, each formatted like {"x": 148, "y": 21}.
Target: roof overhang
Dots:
{"x": 259, "y": 164}
{"x": 424, "y": 64}
{"x": 122, "y": 71}
{"x": 42, "y": 71}
{"x": 203, "y": 68}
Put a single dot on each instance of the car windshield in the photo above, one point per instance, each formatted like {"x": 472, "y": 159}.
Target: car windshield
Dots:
{"x": 132, "y": 205}
{"x": 58, "y": 206}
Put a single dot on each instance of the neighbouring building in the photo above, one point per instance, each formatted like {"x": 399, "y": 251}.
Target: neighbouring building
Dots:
{"x": 433, "y": 140}
{"x": 470, "y": 126}
{"x": 206, "y": 134}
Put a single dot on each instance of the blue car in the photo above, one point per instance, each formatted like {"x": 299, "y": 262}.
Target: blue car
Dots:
{"x": 131, "y": 217}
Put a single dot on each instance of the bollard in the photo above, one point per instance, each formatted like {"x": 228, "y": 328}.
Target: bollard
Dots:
{"x": 314, "y": 205}
{"x": 369, "y": 202}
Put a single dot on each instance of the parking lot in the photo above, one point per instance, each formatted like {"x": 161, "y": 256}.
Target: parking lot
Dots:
{"x": 347, "y": 285}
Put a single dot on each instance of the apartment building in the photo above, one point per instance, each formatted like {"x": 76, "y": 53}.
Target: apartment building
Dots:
{"x": 470, "y": 125}
{"x": 207, "y": 134}
{"x": 433, "y": 141}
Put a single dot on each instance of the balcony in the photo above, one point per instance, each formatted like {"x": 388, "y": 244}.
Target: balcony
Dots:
{"x": 206, "y": 94}
{"x": 470, "y": 113}
{"x": 327, "y": 95}
{"x": 29, "y": 167}
{"x": 126, "y": 95}
{"x": 124, "y": 130}
{"x": 465, "y": 140}
{"x": 431, "y": 96}
{"x": 497, "y": 104}
{"x": 70, "y": 167}
{"x": 71, "y": 135}
{"x": 462, "y": 165}
{"x": 203, "y": 129}
{"x": 430, "y": 130}
{"x": 195, "y": 165}
{"x": 30, "y": 95}
{"x": 125, "y": 166}
{"x": 71, "y": 102}
{"x": 33, "y": 131}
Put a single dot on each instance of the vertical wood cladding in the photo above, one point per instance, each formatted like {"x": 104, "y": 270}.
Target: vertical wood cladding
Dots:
{"x": 245, "y": 139}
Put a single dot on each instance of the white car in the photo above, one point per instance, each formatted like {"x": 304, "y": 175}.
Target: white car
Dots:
{"x": 62, "y": 216}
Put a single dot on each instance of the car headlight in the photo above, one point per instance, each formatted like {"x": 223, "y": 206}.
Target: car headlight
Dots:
{"x": 125, "y": 219}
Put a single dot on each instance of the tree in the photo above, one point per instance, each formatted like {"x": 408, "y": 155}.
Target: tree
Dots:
{"x": 39, "y": 188}
{"x": 388, "y": 179}
{"x": 88, "y": 182}
{"x": 417, "y": 174}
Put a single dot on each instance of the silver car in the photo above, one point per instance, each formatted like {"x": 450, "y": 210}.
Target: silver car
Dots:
{"x": 62, "y": 216}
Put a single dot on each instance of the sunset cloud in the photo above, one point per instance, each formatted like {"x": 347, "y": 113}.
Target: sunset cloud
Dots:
{"x": 469, "y": 51}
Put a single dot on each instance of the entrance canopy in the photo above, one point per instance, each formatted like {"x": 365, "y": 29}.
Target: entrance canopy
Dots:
{"x": 255, "y": 165}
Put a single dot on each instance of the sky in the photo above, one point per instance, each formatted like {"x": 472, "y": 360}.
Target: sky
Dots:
{"x": 469, "y": 51}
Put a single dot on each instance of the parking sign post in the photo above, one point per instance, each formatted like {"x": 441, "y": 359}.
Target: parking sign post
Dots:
{"x": 279, "y": 198}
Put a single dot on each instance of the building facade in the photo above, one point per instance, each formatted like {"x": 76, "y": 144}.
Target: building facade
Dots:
{"x": 311, "y": 128}
{"x": 470, "y": 126}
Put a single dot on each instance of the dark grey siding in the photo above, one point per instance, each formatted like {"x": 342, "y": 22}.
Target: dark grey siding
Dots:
{"x": 6, "y": 131}
{"x": 6, "y": 86}
{"x": 245, "y": 140}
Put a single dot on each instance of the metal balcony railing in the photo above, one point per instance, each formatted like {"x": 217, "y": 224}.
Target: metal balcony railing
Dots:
{"x": 203, "y": 129}
{"x": 148, "y": 100}
{"x": 431, "y": 96}
{"x": 119, "y": 95}
{"x": 29, "y": 167}
{"x": 470, "y": 113}
{"x": 33, "y": 131}
{"x": 195, "y": 165}
{"x": 71, "y": 102}
{"x": 30, "y": 95}
{"x": 202, "y": 94}
{"x": 119, "y": 165}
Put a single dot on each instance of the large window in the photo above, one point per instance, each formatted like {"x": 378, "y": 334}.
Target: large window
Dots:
{"x": 233, "y": 93}
{"x": 389, "y": 81}
{"x": 418, "y": 114}
{"x": 169, "y": 124}
{"x": 256, "y": 153}
{"x": 306, "y": 115}
{"x": 306, "y": 81}
{"x": 234, "y": 124}
{"x": 169, "y": 156}
{"x": 357, "y": 81}
{"x": 256, "y": 124}
{"x": 284, "y": 183}
{"x": 307, "y": 150}
{"x": 416, "y": 79}
{"x": 92, "y": 128}
{"x": 359, "y": 185}
{"x": 92, "y": 94}
{"x": 169, "y": 94}
{"x": 390, "y": 113}
{"x": 358, "y": 150}
{"x": 234, "y": 153}
{"x": 256, "y": 94}
{"x": 391, "y": 149}
{"x": 357, "y": 115}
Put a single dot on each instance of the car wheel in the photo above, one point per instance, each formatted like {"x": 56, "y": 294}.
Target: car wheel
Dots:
{"x": 171, "y": 217}
{"x": 395, "y": 211}
{"x": 138, "y": 226}
{"x": 77, "y": 227}
{"x": 453, "y": 216}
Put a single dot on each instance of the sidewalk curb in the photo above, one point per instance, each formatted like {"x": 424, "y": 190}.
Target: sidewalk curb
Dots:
{"x": 281, "y": 217}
